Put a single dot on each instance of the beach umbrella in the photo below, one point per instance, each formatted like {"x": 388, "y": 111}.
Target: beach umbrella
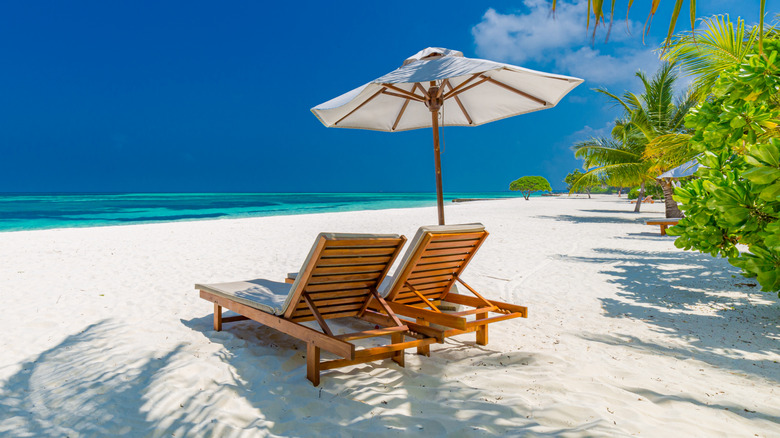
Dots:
{"x": 440, "y": 87}
{"x": 686, "y": 169}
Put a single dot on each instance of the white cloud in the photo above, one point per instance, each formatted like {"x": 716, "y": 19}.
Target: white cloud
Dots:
{"x": 591, "y": 64}
{"x": 563, "y": 43}
{"x": 589, "y": 132}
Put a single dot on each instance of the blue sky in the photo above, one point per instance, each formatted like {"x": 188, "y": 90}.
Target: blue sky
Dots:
{"x": 214, "y": 96}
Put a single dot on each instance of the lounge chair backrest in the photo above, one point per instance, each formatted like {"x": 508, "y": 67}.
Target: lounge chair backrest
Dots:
{"x": 436, "y": 256}
{"x": 339, "y": 274}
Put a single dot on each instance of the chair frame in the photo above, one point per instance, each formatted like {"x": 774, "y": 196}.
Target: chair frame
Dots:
{"x": 327, "y": 291}
{"x": 418, "y": 293}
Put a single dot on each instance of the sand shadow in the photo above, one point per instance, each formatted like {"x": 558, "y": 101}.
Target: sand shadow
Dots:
{"x": 90, "y": 384}
{"x": 424, "y": 397}
{"x": 592, "y": 219}
{"x": 695, "y": 297}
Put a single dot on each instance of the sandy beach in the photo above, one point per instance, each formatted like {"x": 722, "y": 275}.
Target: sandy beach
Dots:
{"x": 103, "y": 334}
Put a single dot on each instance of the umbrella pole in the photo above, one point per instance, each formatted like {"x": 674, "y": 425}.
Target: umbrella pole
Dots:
{"x": 437, "y": 157}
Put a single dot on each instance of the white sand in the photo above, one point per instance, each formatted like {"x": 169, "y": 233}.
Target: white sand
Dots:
{"x": 103, "y": 333}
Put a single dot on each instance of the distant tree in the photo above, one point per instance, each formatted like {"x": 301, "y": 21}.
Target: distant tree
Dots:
{"x": 530, "y": 184}
{"x": 572, "y": 178}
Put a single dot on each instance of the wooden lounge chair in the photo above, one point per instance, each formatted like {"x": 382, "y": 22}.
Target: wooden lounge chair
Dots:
{"x": 664, "y": 223}
{"x": 645, "y": 200}
{"x": 338, "y": 279}
{"x": 423, "y": 281}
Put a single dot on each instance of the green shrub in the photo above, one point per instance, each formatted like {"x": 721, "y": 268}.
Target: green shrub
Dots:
{"x": 529, "y": 184}
{"x": 737, "y": 196}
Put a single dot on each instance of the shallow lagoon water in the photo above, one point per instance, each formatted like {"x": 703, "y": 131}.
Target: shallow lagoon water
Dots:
{"x": 35, "y": 211}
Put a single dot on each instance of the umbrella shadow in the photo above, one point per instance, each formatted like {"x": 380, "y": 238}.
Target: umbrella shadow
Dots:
{"x": 427, "y": 396}
{"x": 695, "y": 297}
{"x": 591, "y": 219}
{"x": 646, "y": 235}
{"x": 80, "y": 386}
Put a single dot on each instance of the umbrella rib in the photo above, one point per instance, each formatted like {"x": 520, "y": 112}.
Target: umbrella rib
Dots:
{"x": 401, "y": 113}
{"x": 444, "y": 83}
{"x": 360, "y": 106}
{"x": 513, "y": 89}
{"x": 462, "y": 108}
{"x": 422, "y": 90}
{"x": 407, "y": 94}
{"x": 462, "y": 84}
{"x": 455, "y": 92}
{"x": 402, "y": 96}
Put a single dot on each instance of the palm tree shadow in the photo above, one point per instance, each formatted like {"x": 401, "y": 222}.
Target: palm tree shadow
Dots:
{"x": 700, "y": 299}
{"x": 80, "y": 386}
{"x": 420, "y": 398}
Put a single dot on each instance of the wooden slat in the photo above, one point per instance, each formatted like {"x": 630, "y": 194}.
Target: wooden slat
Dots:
{"x": 446, "y": 252}
{"x": 320, "y": 270}
{"x": 447, "y": 258}
{"x": 442, "y": 265}
{"x": 410, "y": 298}
{"x": 340, "y": 252}
{"x": 344, "y": 278}
{"x": 458, "y": 236}
{"x": 335, "y": 287}
{"x": 336, "y": 293}
{"x": 337, "y": 301}
{"x": 326, "y": 312}
{"x": 365, "y": 243}
{"x": 418, "y": 273}
{"x": 302, "y": 308}
{"x": 453, "y": 244}
{"x": 371, "y": 333}
{"x": 352, "y": 261}
{"x": 430, "y": 279}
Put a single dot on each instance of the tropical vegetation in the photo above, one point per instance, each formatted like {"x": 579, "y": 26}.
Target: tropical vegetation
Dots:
{"x": 736, "y": 199}
{"x": 649, "y": 119}
{"x": 529, "y": 184}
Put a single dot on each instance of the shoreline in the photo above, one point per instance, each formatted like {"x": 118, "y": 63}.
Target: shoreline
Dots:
{"x": 75, "y": 210}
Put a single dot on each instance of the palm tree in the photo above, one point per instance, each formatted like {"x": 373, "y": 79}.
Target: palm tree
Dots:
{"x": 617, "y": 159}
{"x": 656, "y": 117}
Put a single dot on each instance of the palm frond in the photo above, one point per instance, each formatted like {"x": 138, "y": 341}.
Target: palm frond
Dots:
{"x": 705, "y": 54}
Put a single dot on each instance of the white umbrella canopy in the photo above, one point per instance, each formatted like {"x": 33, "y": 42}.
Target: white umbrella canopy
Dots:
{"x": 440, "y": 87}
{"x": 686, "y": 169}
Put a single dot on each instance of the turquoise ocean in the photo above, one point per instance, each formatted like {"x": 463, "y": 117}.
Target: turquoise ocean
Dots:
{"x": 26, "y": 211}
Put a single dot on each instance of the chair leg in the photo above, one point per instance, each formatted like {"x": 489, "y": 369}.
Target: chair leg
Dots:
{"x": 313, "y": 363}
{"x": 217, "y": 317}
{"x": 482, "y": 330}
{"x": 398, "y": 358}
{"x": 663, "y": 229}
{"x": 425, "y": 350}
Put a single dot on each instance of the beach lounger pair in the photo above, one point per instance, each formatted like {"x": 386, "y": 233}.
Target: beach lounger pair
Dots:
{"x": 346, "y": 276}
{"x": 645, "y": 200}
